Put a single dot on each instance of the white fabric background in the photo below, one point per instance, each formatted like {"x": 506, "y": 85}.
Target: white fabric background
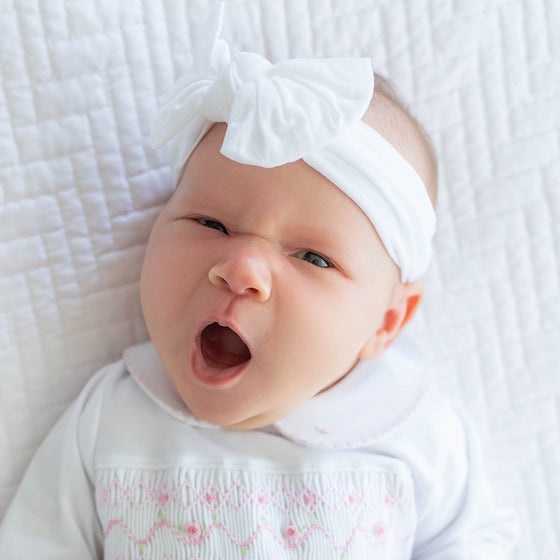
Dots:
{"x": 80, "y": 186}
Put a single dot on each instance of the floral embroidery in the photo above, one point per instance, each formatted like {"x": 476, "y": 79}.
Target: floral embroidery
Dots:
{"x": 391, "y": 500}
{"x": 201, "y": 512}
{"x": 193, "y": 529}
{"x": 290, "y": 532}
{"x": 239, "y": 496}
{"x": 212, "y": 498}
{"x": 294, "y": 535}
{"x": 379, "y": 530}
{"x": 309, "y": 499}
{"x": 322, "y": 431}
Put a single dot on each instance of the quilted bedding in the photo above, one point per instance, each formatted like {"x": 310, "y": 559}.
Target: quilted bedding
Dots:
{"x": 80, "y": 186}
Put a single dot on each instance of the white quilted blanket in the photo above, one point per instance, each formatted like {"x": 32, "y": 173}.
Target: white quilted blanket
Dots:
{"x": 80, "y": 186}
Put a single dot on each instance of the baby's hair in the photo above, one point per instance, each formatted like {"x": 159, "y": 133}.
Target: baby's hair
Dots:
{"x": 386, "y": 92}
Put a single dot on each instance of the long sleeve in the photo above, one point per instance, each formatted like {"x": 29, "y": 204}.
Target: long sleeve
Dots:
{"x": 53, "y": 515}
{"x": 457, "y": 517}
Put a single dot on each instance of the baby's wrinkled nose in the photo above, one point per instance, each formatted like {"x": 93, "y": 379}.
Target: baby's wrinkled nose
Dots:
{"x": 245, "y": 270}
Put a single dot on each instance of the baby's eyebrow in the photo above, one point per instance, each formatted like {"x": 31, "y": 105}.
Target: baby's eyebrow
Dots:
{"x": 324, "y": 239}
{"x": 201, "y": 200}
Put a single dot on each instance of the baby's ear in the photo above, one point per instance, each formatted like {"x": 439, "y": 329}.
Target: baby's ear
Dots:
{"x": 402, "y": 307}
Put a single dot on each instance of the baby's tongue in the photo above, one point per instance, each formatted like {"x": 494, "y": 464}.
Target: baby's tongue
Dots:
{"x": 222, "y": 348}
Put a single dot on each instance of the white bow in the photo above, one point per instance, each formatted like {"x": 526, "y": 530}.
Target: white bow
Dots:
{"x": 276, "y": 113}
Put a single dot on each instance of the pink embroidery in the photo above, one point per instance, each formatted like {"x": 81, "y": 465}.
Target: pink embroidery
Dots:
{"x": 390, "y": 500}
{"x": 379, "y": 531}
{"x": 193, "y": 529}
{"x": 239, "y": 497}
{"x": 309, "y": 499}
{"x": 198, "y": 515}
{"x": 290, "y": 532}
{"x": 291, "y": 538}
{"x": 212, "y": 498}
{"x": 322, "y": 431}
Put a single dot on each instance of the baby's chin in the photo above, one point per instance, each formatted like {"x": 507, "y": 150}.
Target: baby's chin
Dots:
{"x": 244, "y": 418}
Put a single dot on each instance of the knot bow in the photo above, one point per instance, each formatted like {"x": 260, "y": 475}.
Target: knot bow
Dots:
{"x": 276, "y": 113}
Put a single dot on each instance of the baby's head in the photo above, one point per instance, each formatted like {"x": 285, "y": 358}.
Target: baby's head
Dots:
{"x": 262, "y": 286}
{"x": 389, "y": 115}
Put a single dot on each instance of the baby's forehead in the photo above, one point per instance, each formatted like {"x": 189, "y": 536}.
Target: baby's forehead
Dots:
{"x": 293, "y": 184}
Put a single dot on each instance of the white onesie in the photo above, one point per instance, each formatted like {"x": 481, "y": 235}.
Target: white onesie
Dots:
{"x": 380, "y": 466}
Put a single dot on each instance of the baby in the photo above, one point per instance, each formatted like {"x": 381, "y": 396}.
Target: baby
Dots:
{"x": 276, "y": 412}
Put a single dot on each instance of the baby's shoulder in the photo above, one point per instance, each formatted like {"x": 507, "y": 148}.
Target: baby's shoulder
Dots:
{"x": 102, "y": 384}
{"x": 436, "y": 419}
{"x": 437, "y": 442}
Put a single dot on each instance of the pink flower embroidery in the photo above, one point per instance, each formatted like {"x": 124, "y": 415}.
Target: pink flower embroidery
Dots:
{"x": 193, "y": 529}
{"x": 163, "y": 498}
{"x": 290, "y": 532}
{"x": 379, "y": 531}
{"x": 309, "y": 499}
{"x": 390, "y": 500}
{"x": 212, "y": 498}
{"x": 262, "y": 499}
{"x": 322, "y": 431}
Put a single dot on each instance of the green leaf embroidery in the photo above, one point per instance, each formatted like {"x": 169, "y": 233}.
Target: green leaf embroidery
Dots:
{"x": 322, "y": 431}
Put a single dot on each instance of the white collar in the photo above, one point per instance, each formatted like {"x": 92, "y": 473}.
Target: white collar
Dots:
{"x": 375, "y": 398}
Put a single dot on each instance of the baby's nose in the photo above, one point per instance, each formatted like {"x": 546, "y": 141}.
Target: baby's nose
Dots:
{"x": 245, "y": 271}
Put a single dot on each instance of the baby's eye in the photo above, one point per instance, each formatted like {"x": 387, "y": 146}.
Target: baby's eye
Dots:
{"x": 314, "y": 258}
{"x": 212, "y": 224}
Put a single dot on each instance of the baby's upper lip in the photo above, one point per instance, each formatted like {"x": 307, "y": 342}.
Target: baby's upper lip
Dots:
{"x": 224, "y": 321}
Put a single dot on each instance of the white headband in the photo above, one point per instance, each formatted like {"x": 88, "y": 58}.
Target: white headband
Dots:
{"x": 308, "y": 109}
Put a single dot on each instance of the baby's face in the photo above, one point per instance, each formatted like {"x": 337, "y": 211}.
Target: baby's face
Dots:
{"x": 260, "y": 287}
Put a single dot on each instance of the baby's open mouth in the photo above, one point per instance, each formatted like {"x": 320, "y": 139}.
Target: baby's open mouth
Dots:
{"x": 222, "y": 347}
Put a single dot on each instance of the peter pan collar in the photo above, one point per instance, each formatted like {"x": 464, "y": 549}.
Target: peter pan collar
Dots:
{"x": 373, "y": 399}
